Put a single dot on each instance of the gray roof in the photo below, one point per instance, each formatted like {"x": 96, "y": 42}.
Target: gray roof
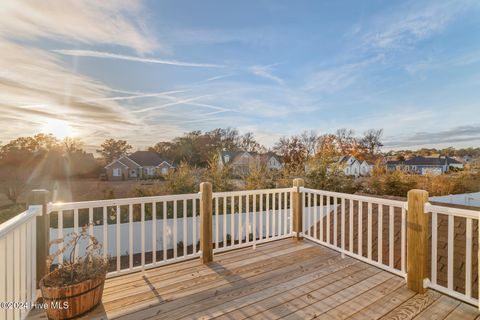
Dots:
{"x": 425, "y": 161}
{"x": 146, "y": 158}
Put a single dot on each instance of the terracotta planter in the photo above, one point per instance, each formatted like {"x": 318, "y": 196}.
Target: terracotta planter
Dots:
{"x": 71, "y": 301}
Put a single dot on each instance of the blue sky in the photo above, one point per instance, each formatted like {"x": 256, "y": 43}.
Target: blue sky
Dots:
{"x": 149, "y": 71}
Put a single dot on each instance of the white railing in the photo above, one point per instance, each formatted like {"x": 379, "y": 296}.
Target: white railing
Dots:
{"x": 18, "y": 264}
{"x": 365, "y": 228}
{"x": 136, "y": 233}
{"x": 457, "y": 225}
{"x": 246, "y": 218}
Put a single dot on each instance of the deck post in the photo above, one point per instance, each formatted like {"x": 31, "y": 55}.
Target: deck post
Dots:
{"x": 417, "y": 240}
{"x": 41, "y": 197}
{"x": 297, "y": 205}
{"x": 206, "y": 222}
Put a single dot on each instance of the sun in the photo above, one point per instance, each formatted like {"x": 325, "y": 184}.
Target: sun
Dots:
{"x": 58, "y": 128}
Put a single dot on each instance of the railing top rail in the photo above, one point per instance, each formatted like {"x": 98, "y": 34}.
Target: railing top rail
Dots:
{"x": 465, "y": 213}
{"x": 388, "y": 202}
{"x": 120, "y": 202}
{"x": 250, "y": 192}
{"x": 20, "y": 219}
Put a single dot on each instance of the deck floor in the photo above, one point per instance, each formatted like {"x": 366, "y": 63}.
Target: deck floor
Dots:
{"x": 283, "y": 279}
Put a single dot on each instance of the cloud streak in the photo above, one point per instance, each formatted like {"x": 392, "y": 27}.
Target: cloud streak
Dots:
{"x": 109, "y": 55}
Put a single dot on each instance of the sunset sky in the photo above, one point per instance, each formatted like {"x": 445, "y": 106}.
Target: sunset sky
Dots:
{"x": 148, "y": 71}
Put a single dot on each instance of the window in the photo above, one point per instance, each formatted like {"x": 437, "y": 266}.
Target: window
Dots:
{"x": 164, "y": 170}
{"x": 117, "y": 172}
{"x": 150, "y": 171}
{"x": 227, "y": 158}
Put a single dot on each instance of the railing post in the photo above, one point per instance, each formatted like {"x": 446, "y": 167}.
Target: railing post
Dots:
{"x": 41, "y": 197}
{"x": 206, "y": 222}
{"x": 417, "y": 240}
{"x": 297, "y": 205}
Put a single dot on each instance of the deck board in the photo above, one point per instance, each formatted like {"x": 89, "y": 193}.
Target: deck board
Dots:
{"x": 284, "y": 279}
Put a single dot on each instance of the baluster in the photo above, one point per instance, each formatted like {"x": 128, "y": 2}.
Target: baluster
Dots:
{"x": 369, "y": 231}
{"x": 350, "y": 226}
{"x": 342, "y": 228}
{"x": 274, "y": 214}
{"x": 391, "y": 235}
{"x": 142, "y": 219}
{"x": 267, "y": 232}
{"x": 175, "y": 230}
{"x": 335, "y": 221}
{"x": 247, "y": 219}
{"x": 232, "y": 220}
{"x": 261, "y": 216}
{"x": 185, "y": 237}
{"x": 75, "y": 229}
{"x": 360, "y": 227}
{"x": 403, "y": 239}
{"x": 434, "y": 248}
{"x": 154, "y": 232}
{"x": 321, "y": 218}
{"x": 105, "y": 233}
{"x": 164, "y": 234}
{"x": 380, "y": 233}
{"x": 224, "y": 222}
{"x": 450, "y": 252}
{"x": 216, "y": 222}
{"x": 130, "y": 236}
{"x": 194, "y": 225}
{"x": 60, "y": 234}
{"x": 468, "y": 258}
{"x": 285, "y": 208}
{"x": 328, "y": 219}
{"x": 240, "y": 220}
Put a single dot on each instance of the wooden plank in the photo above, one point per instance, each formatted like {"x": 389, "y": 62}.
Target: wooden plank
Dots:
{"x": 199, "y": 270}
{"x": 200, "y": 284}
{"x": 413, "y": 306}
{"x": 379, "y": 308}
{"x": 324, "y": 304}
{"x": 463, "y": 311}
{"x": 439, "y": 309}
{"x": 272, "y": 295}
{"x": 265, "y": 303}
{"x": 220, "y": 293}
{"x": 361, "y": 301}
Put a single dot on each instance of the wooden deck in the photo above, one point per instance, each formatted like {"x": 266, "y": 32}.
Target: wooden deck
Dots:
{"x": 281, "y": 279}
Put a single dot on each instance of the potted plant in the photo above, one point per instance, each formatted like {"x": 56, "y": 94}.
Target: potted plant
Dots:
{"x": 75, "y": 286}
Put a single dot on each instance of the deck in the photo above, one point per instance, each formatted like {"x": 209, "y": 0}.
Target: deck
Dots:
{"x": 282, "y": 279}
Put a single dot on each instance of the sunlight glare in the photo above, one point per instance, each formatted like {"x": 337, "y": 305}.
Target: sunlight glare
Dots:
{"x": 58, "y": 128}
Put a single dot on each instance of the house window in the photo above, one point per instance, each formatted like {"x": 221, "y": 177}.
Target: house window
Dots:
{"x": 150, "y": 171}
{"x": 164, "y": 170}
{"x": 227, "y": 158}
{"x": 117, "y": 172}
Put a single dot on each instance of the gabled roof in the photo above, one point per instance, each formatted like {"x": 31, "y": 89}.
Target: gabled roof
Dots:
{"x": 146, "y": 158}
{"x": 426, "y": 161}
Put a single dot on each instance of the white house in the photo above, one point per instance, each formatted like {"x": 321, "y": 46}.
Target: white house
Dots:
{"x": 351, "y": 166}
{"x": 138, "y": 165}
{"x": 241, "y": 161}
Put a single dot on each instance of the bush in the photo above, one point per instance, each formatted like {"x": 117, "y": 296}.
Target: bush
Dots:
{"x": 219, "y": 176}
{"x": 183, "y": 180}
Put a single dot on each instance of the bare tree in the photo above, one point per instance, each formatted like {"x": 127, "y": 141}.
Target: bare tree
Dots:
{"x": 345, "y": 140}
{"x": 371, "y": 141}
{"x": 310, "y": 141}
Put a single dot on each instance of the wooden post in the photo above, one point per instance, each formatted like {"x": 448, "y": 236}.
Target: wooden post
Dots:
{"x": 417, "y": 237}
{"x": 41, "y": 197}
{"x": 297, "y": 206}
{"x": 206, "y": 222}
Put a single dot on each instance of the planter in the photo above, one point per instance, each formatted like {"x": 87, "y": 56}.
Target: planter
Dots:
{"x": 74, "y": 300}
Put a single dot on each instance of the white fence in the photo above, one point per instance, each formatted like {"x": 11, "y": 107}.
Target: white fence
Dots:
{"x": 258, "y": 216}
{"x": 341, "y": 221}
{"x": 141, "y": 233}
{"x": 18, "y": 264}
{"x": 459, "y": 224}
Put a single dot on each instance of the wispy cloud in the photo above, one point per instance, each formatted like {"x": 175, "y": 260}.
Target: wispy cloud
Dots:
{"x": 110, "y": 55}
{"x": 454, "y": 135}
{"x": 413, "y": 22}
{"x": 117, "y": 22}
{"x": 266, "y": 72}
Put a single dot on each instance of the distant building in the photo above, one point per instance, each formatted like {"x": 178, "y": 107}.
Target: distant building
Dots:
{"x": 352, "y": 166}
{"x": 138, "y": 165}
{"x": 241, "y": 161}
{"x": 425, "y": 165}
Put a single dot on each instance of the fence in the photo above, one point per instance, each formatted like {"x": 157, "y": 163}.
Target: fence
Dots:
{"x": 18, "y": 276}
{"x": 412, "y": 239}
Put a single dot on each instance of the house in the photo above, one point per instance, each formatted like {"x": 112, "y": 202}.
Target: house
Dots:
{"x": 352, "y": 166}
{"x": 425, "y": 165}
{"x": 241, "y": 161}
{"x": 138, "y": 165}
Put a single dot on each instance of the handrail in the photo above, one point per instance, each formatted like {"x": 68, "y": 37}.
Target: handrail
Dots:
{"x": 387, "y": 202}
{"x": 119, "y": 202}
{"x": 20, "y": 219}
{"x": 465, "y": 213}
{"x": 250, "y": 192}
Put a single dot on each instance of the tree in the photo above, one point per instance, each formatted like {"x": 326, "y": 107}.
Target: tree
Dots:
{"x": 310, "y": 141}
{"x": 293, "y": 152}
{"x": 219, "y": 176}
{"x": 113, "y": 149}
{"x": 371, "y": 141}
{"x": 182, "y": 180}
{"x": 248, "y": 143}
{"x": 345, "y": 141}
{"x": 72, "y": 145}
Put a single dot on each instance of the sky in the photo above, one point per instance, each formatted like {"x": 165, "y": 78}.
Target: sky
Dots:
{"x": 147, "y": 71}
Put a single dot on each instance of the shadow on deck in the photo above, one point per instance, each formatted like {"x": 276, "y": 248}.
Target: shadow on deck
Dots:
{"x": 281, "y": 279}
